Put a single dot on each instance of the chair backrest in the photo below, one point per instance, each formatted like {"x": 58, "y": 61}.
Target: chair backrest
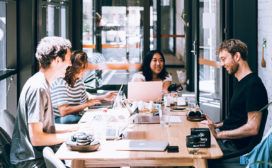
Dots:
{"x": 5, "y": 144}
{"x": 253, "y": 142}
{"x": 7, "y": 121}
{"x": 51, "y": 161}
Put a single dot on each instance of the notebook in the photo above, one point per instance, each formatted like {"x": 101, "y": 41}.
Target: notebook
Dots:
{"x": 145, "y": 91}
{"x": 141, "y": 145}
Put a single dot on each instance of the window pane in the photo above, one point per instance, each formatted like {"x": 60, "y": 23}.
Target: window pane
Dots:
{"x": 54, "y": 18}
{"x": 8, "y": 96}
{"x": 210, "y": 36}
{"x": 118, "y": 29}
{"x": 2, "y": 35}
{"x": 88, "y": 24}
{"x": 8, "y": 102}
{"x": 3, "y": 101}
{"x": 8, "y": 86}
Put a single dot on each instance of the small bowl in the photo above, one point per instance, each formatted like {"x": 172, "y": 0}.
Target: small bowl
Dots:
{"x": 83, "y": 148}
{"x": 196, "y": 119}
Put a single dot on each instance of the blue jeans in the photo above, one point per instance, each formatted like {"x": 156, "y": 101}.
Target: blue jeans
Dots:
{"x": 68, "y": 119}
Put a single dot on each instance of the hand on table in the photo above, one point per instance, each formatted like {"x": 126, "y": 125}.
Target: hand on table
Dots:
{"x": 208, "y": 121}
{"x": 110, "y": 96}
{"x": 212, "y": 129}
{"x": 211, "y": 125}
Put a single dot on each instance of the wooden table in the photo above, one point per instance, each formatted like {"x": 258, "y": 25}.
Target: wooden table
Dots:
{"x": 175, "y": 134}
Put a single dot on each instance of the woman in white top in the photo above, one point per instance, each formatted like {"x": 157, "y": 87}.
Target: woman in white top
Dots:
{"x": 153, "y": 69}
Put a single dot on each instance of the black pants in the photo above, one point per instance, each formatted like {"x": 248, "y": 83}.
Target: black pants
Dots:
{"x": 227, "y": 147}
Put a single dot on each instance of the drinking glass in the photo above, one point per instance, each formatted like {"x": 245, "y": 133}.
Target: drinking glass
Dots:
{"x": 192, "y": 141}
{"x": 99, "y": 129}
{"x": 191, "y": 103}
{"x": 164, "y": 116}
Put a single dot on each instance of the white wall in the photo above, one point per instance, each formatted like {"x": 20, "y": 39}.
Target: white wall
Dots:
{"x": 265, "y": 32}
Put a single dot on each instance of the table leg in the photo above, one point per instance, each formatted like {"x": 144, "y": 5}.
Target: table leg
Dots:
{"x": 78, "y": 163}
{"x": 200, "y": 163}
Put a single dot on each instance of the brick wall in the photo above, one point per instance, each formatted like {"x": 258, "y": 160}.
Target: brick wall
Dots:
{"x": 265, "y": 32}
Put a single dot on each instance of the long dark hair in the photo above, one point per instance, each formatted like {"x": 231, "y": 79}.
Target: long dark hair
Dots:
{"x": 147, "y": 72}
{"x": 79, "y": 62}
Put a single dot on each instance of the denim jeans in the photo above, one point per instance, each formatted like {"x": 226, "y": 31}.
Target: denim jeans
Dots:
{"x": 68, "y": 119}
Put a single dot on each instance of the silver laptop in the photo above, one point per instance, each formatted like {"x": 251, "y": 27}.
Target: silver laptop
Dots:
{"x": 142, "y": 145}
{"x": 146, "y": 119}
{"x": 116, "y": 132}
{"x": 104, "y": 104}
{"x": 145, "y": 91}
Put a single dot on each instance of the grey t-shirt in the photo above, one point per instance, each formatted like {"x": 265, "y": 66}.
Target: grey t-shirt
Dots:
{"x": 34, "y": 106}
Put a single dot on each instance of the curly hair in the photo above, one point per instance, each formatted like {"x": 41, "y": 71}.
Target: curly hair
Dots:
{"x": 147, "y": 72}
{"x": 51, "y": 47}
{"x": 233, "y": 46}
{"x": 79, "y": 61}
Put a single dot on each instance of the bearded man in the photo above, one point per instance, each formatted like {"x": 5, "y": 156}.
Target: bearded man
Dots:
{"x": 243, "y": 123}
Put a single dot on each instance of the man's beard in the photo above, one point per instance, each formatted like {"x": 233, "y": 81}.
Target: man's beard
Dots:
{"x": 234, "y": 69}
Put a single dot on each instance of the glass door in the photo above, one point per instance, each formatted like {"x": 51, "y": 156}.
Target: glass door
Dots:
{"x": 207, "y": 34}
{"x": 114, "y": 29}
{"x": 53, "y": 18}
{"x": 113, "y": 33}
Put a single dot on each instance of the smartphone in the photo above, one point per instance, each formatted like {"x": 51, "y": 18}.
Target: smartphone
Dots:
{"x": 172, "y": 149}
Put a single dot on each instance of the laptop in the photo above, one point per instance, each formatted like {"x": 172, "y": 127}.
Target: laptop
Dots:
{"x": 146, "y": 119}
{"x": 104, "y": 104}
{"x": 142, "y": 145}
{"x": 108, "y": 104}
{"x": 115, "y": 131}
{"x": 145, "y": 91}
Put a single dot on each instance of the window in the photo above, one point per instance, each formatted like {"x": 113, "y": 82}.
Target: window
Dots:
{"x": 8, "y": 55}
{"x": 2, "y": 35}
{"x": 115, "y": 26}
{"x": 54, "y": 18}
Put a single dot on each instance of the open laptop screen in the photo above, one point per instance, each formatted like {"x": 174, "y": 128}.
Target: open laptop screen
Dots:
{"x": 145, "y": 91}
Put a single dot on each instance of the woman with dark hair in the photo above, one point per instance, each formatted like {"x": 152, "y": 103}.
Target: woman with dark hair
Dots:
{"x": 153, "y": 69}
{"x": 68, "y": 94}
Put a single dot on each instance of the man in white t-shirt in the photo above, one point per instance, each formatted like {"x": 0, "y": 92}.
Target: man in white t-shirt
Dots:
{"x": 34, "y": 126}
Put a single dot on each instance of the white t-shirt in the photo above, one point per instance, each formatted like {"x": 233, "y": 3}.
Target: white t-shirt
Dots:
{"x": 139, "y": 76}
